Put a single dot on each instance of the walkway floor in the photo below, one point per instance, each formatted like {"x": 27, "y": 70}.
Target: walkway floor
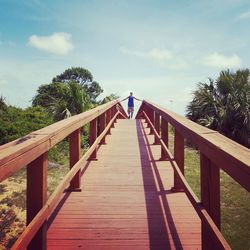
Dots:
{"x": 126, "y": 202}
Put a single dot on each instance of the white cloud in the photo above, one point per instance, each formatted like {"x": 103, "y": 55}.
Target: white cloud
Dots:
{"x": 58, "y": 43}
{"x": 164, "y": 57}
{"x": 221, "y": 61}
{"x": 244, "y": 15}
{"x": 160, "y": 54}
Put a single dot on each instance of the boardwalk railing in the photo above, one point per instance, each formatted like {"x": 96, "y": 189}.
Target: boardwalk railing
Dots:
{"x": 216, "y": 152}
{"x": 32, "y": 151}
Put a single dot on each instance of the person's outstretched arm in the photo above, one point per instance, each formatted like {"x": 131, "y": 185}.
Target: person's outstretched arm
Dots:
{"x": 124, "y": 99}
{"x": 137, "y": 99}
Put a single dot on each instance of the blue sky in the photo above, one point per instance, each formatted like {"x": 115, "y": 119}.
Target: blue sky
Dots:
{"x": 159, "y": 50}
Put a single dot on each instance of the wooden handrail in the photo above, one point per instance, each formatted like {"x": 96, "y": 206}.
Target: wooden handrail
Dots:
{"x": 32, "y": 151}
{"x": 18, "y": 153}
{"x": 55, "y": 198}
{"x": 216, "y": 152}
{"x": 229, "y": 155}
{"x": 218, "y": 239}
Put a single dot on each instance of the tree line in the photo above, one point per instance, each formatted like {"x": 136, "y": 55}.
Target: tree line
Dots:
{"x": 69, "y": 93}
{"x": 222, "y": 104}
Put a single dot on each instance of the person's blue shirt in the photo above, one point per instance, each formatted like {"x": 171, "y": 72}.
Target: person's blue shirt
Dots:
{"x": 131, "y": 101}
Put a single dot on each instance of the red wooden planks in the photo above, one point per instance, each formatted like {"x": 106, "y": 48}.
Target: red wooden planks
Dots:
{"x": 126, "y": 202}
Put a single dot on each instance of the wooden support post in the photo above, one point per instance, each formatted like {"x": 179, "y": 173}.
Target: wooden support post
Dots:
{"x": 210, "y": 188}
{"x": 164, "y": 137}
{"x": 112, "y": 115}
{"x": 98, "y": 126}
{"x": 102, "y": 126}
{"x": 37, "y": 172}
{"x": 92, "y": 137}
{"x": 179, "y": 157}
{"x": 152, "y": 119}
{"x": 157, "y": 127}
{"x": 146, "y": 109}
{"x": 141, "y": 109}
{"x": 115, "y": 111}
{"x": 108, "y": 119}
{"x": 74, "y": 157}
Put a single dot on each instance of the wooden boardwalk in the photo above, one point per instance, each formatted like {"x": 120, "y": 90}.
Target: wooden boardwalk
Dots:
{"x": 126, "y": 202}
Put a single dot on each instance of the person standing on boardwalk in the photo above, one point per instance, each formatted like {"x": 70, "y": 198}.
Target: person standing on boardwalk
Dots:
{"x": 130, "y": 104}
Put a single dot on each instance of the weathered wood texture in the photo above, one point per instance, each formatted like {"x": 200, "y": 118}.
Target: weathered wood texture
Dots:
{"x": 126, "y": 202}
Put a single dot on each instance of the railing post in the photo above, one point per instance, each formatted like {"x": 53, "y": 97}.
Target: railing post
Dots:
{"x": 146, "y": 109}
{"x": 157, "y": 127}
{"x": 92, "y": 136}
{"x": 151, "y": 118}
{"x": 102, "y": 126}
{"x": 112, "y": 115}
{"x": 74, "y": 155}
{"x": 164, "y": 137}
{"x": 179, "y": 157}
{"x": 115, "y": 111}
{"x": 108, "y": 119}
{"x": 37, "y": 172}
{"x": 210, "y": 188}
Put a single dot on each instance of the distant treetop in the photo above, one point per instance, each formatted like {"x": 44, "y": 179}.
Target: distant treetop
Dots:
{"x": 78, "y": 74}
{"x": 84, "y": 78}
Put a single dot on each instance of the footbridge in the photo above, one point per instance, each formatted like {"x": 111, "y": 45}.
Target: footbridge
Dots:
{"x": 127, "y": 191}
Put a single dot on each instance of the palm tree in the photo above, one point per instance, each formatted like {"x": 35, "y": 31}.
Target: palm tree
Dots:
{"x": 224, "y": 105}
{"x": 74, "y": 101}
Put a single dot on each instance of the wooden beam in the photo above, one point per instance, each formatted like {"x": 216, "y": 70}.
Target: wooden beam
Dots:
{"x": 150, "y": 113}
{"x": 93, "y": 136}
{"x": 164, "y": 137}
{"x": 102, "y": 126}
{"x": 157, "y": 127}
{"x": 37, "y": 172}
{"x": 75, "y": 155}
{"x": 179, "y": 157}
{"x": 108, "y": 119}
{"x": 113, "y": 111}
{"x": 210, "y": 188}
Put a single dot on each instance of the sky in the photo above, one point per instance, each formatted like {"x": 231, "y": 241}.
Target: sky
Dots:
{"x": 157, "y": 49}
